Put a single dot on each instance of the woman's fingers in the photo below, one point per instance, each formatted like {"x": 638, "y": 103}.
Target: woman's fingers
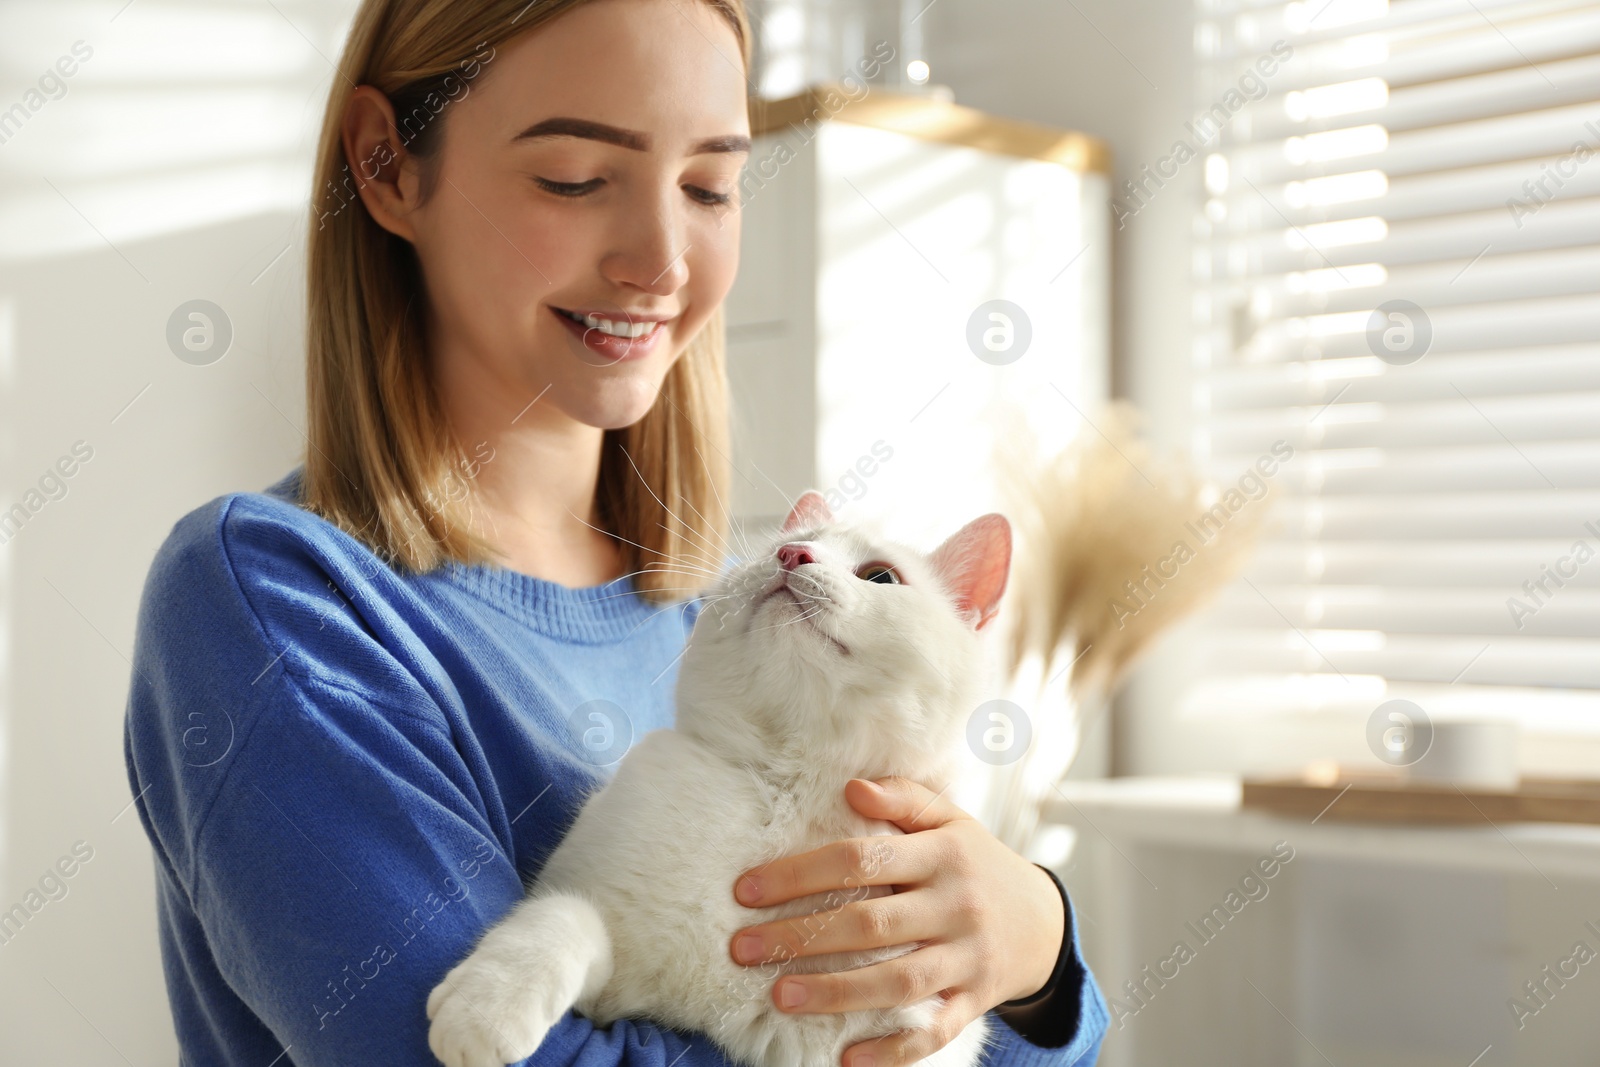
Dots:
{"x": 907, "y": 803}
{"x": 898, "y": 919}
{"x": 908, "y": 1046}
{"x": 899, "y": 859}
{"x": 884, "y": 986}
{"x": 910, "y": 857}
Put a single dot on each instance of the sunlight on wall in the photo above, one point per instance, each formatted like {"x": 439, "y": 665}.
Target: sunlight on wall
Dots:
{"x": 151, "y": 152}
{"x": 8, "y": 362}
{"x": 175, "y": 116}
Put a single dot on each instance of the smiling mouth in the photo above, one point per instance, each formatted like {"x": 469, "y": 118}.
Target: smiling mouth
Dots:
{"x": 624, "y": 330}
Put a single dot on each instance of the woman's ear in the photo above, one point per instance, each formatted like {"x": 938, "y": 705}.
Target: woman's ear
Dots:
{"x": 382, "y": 171}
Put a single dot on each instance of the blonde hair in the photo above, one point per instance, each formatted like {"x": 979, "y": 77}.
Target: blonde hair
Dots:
{"x": 381, "y": 462}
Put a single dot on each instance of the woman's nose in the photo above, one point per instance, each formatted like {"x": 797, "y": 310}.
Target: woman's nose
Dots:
{"x": 793, "y": 554}
{"x": 652, "y": 253}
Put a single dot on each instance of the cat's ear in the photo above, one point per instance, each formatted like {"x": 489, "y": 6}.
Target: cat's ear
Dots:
{"x": 810, "y": 510}
{"x": 974, "y": 564}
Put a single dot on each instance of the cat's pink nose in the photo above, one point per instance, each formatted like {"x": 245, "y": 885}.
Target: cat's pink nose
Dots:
{"x": 794, "y": 554}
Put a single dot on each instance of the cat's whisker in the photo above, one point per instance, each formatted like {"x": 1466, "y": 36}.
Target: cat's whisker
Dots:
{"x": 655, "y": 567}
{"x": 812, "y": 580}
{"x": 693, "y": 574}
{"x": 707, "y": 573}
{"x": 608, "y": 533}
{"x": 668, "y": 589}
{"x": 740, "y": 534}
{"x": 736, "y": 529}
{"x": 698, "y": 542}
{"x": 709, "y": 565}
{"x": 690, "y": 554}
{"x": 732, "y": 525}
{"x": 699, "y": 547}
{"x": 688, "y": 529}
{"x": 688, "y": 562}
{"x": 802, "y": 617}
{"x": 675, "y": 604}
{"x": 691, "y": 583}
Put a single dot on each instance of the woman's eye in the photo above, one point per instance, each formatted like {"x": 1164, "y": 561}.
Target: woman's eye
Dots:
{"x": 706, "y": 196}
{"x": 881, "y": 573}
{"x": 573, "y": 189}
{"x": 579, "y": 189}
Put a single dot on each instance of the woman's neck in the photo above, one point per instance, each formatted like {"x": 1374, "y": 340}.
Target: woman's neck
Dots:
{"x": 536, "y": 496}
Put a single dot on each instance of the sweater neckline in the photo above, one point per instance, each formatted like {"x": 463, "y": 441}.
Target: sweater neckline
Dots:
{"x": 591, "y": 614}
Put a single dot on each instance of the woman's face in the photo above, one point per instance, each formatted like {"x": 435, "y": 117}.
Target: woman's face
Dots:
{"x": 593, "y": 168}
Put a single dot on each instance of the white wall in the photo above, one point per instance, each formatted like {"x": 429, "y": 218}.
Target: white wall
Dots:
{"x": 173, "y": 168}
{"x": 1122, "y": 70}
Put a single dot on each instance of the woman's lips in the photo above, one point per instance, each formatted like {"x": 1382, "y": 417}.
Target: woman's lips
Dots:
{"x": 612, "y": 349}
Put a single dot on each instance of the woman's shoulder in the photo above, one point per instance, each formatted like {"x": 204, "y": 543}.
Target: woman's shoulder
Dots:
{"x": 253, "y": 573}
{"x": 253, "y": 648}
{"x": 261, "y": 546}
{"x": 241, "y": 530}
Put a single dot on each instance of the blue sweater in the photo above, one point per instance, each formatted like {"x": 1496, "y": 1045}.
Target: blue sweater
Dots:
{"x": 345, "y": 772}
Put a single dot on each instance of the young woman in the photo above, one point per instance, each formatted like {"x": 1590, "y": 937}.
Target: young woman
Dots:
{"x": 356, "y": 694}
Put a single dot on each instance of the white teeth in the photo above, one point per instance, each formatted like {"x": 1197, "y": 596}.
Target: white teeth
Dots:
{"x": 629, "y": 330}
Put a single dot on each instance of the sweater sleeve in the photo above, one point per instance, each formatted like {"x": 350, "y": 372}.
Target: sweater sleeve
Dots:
{"x": 344, "y": 870}
{"x": 324, "y": 851}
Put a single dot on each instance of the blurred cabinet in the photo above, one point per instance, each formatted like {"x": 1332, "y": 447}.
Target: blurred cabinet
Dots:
{"x": 918, "y": 280}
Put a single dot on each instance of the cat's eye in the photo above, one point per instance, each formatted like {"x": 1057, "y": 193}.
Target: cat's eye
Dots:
{"x": 881, "y": 573}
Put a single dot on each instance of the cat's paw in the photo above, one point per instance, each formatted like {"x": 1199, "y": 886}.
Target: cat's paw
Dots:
{"x": 485, "y": 1014}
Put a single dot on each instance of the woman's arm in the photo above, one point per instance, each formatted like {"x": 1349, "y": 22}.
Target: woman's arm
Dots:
{"x": 342, "y": 871}
{"x": 324, "y": 852}
{"x": 1055, "y": 1015}
{"x": 993, "y": 929}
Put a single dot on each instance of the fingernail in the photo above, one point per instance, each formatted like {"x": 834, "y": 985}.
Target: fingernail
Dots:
{"x": 793, "y": 995}
{"x": 749, "y": 889}
{"x": 747, "y": 949}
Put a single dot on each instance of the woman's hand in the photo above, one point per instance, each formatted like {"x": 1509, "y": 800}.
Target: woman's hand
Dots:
{"x": 989, "y": 922}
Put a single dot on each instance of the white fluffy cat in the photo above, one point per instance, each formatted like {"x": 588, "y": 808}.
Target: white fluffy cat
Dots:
{"x": 826, "y": 657}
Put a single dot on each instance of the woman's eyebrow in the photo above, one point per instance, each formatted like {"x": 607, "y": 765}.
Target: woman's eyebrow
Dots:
{"x": 632, "y": 139}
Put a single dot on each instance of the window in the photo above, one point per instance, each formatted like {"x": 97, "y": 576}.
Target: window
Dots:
{"x": 1397, "y": 277}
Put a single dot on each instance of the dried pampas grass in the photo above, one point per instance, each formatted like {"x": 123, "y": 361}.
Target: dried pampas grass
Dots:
{"x": 1117, "y": 543}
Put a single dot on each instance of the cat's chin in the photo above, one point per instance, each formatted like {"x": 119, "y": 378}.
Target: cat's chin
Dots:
{"x": 790, "y": 603}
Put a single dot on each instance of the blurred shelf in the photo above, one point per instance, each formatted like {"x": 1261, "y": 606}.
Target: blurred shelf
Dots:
{"x": 1208, "y": 814}
{"x": 1392, "y": 799}
{"x": 931, "y": 118}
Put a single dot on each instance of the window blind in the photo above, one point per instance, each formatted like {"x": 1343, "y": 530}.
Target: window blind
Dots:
{"x": 1397, "y": 275}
